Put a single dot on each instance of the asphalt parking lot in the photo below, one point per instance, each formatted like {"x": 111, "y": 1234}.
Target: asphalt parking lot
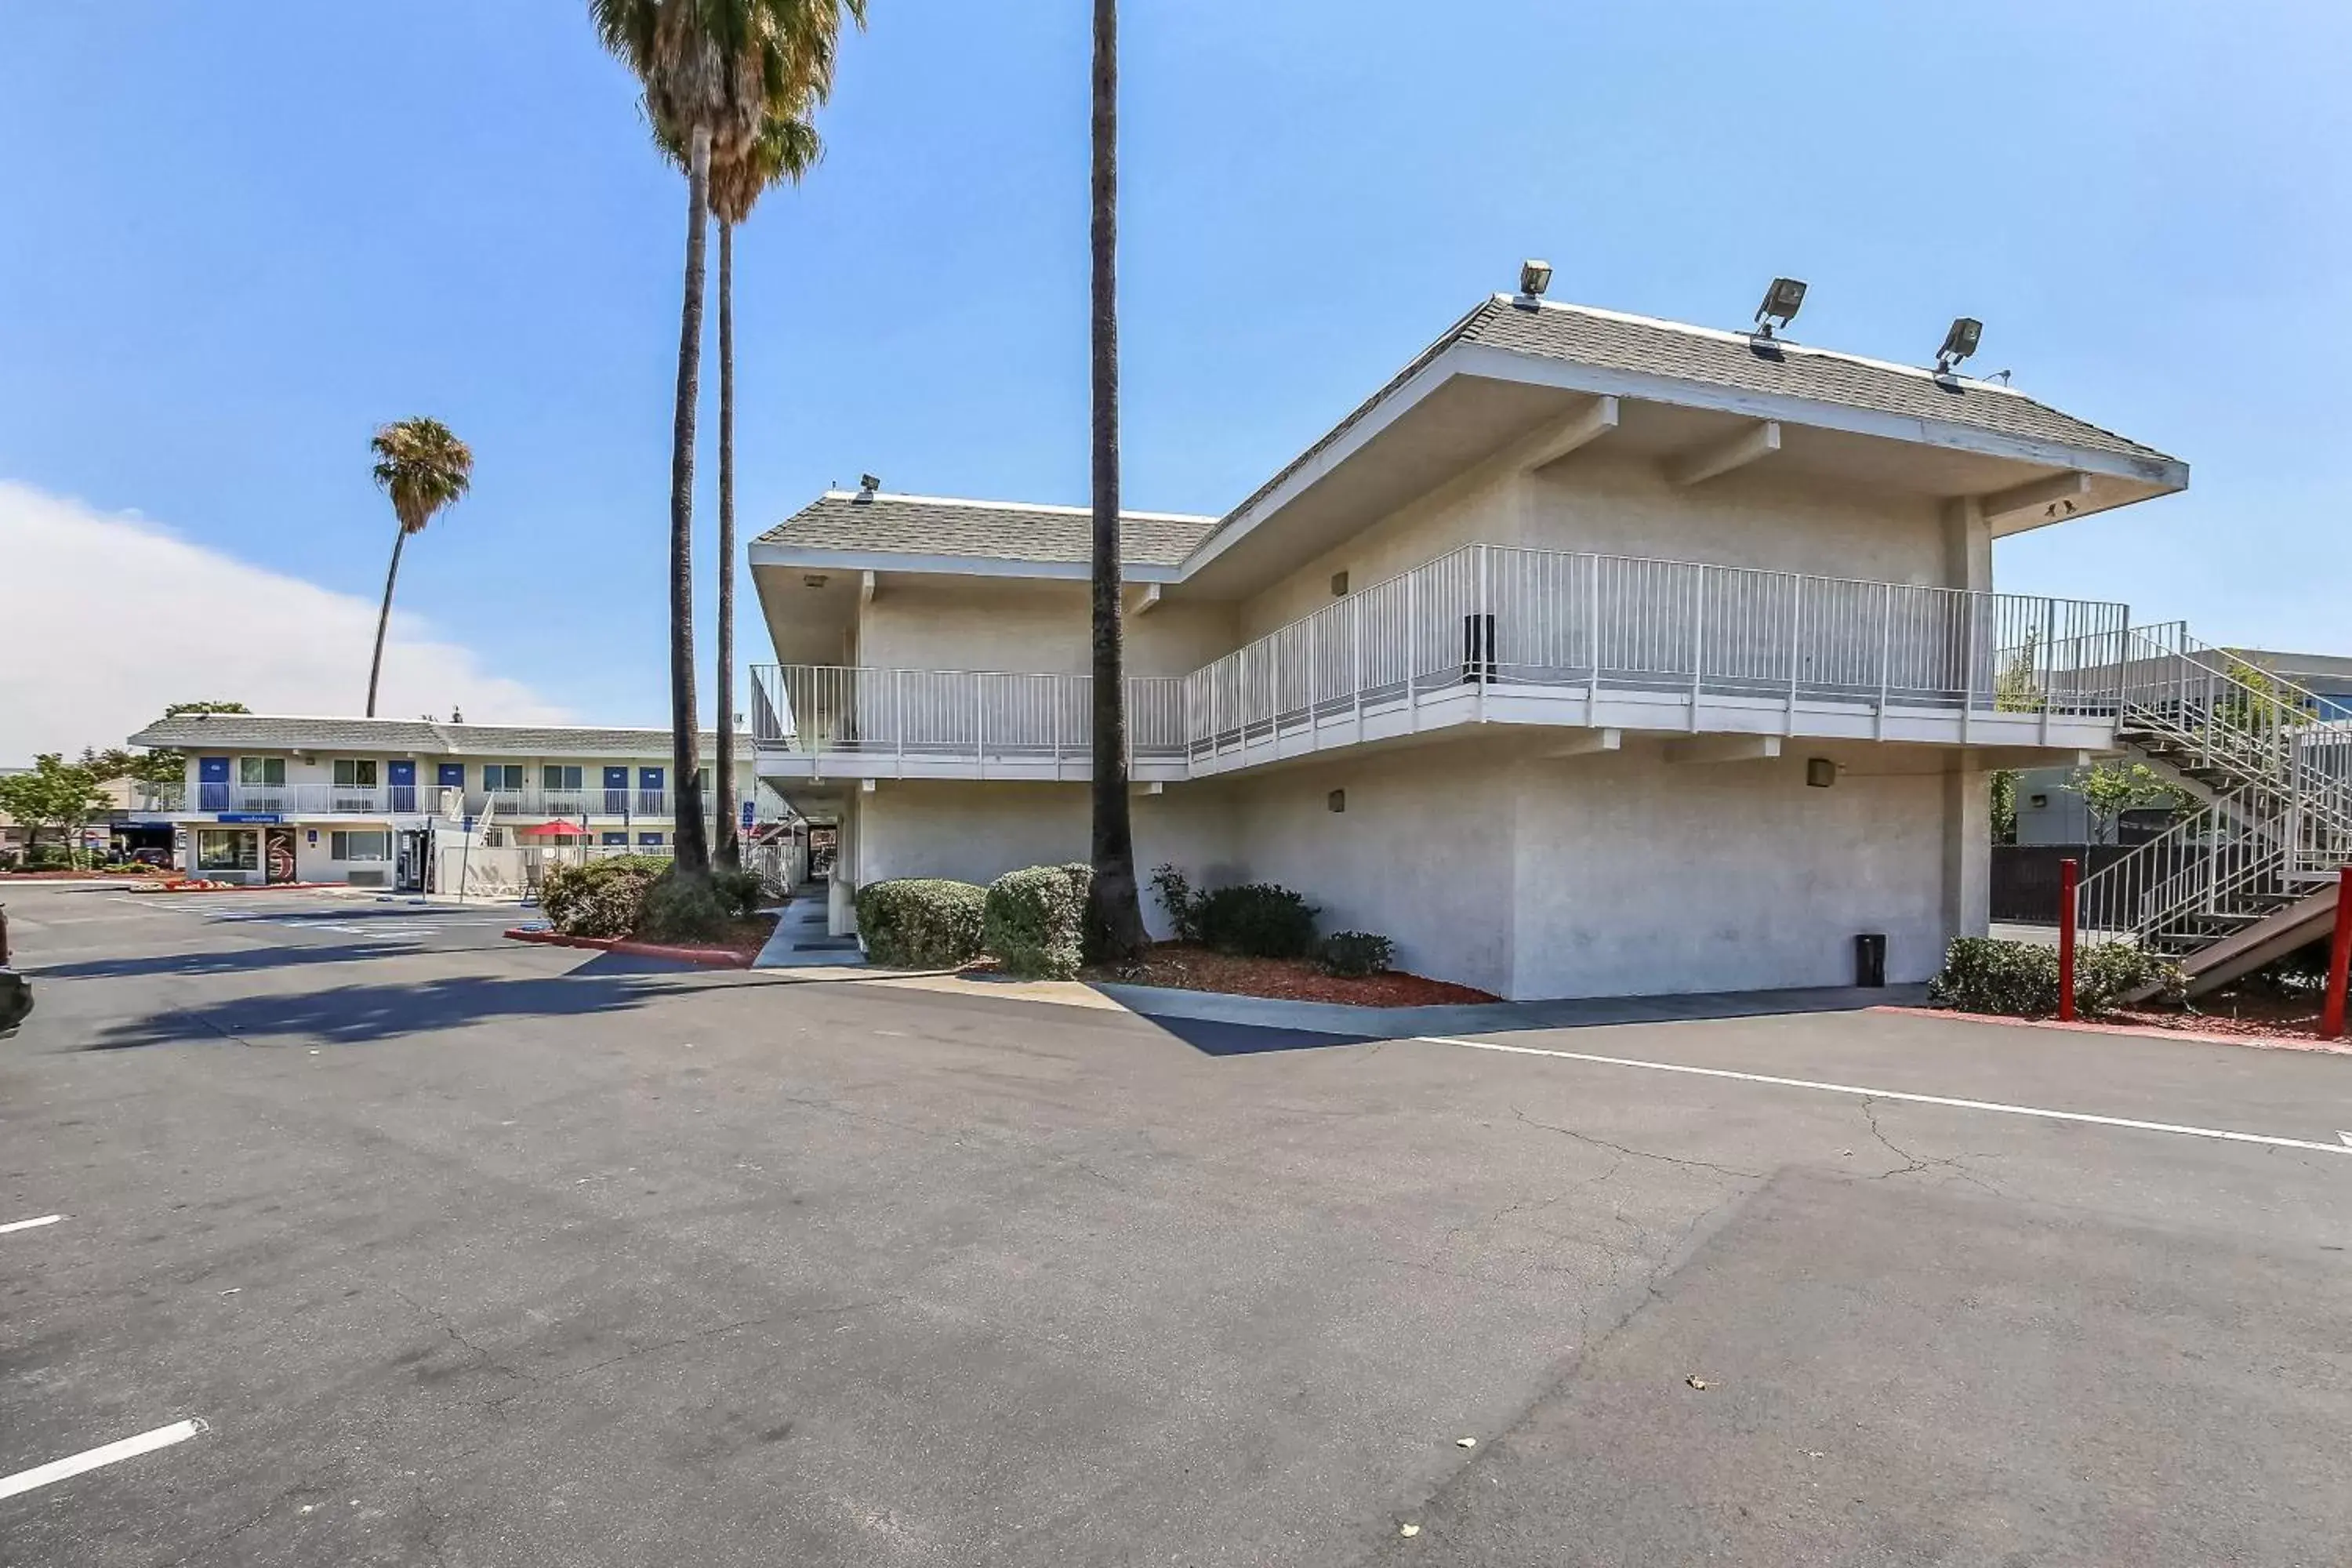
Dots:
{"x": 462, "y": 1252}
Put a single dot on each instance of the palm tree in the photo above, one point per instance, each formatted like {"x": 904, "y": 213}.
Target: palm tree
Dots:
{"x": 1115, "y": 923}
{"x": 786, "y": 148}
{"x": 711, "y": 69}
{"x": 424, "y": 468}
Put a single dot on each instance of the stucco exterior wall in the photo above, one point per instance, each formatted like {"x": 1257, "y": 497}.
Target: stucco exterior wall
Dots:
{"x": 1604, "y": 875}
{"x": 1008, "y": 623}
{"x": 1640, "y": 876}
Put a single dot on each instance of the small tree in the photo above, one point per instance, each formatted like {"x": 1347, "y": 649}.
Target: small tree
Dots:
{"x": 161, "y": 767}
{"x": 2110, "y": 789}
{"x": 2018, "y": 688}
{"x": 55, "y": 794}
{"x": 2004, "y": 806}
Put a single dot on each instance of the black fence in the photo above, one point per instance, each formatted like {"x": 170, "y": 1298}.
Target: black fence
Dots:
{"x": 2025, "y": 877}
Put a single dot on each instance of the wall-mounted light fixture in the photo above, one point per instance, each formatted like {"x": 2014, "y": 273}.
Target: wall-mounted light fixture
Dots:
{"x": 1337, "y": 800}
{"x": 1339, "y": 584}
{"x": 1820, "y": 773}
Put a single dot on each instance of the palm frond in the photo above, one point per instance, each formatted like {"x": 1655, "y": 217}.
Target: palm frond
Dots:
{"x": 422, "y": 466}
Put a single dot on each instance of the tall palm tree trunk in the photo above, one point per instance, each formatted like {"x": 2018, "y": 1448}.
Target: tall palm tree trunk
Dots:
{"x": 383, "y": 616}
{"x": 729, "y": 847}
{"x": 1114, "y": 928}
{"x": 692, "y": 850}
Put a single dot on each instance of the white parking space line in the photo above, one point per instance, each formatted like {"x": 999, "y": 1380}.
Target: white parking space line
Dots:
{"x": 29, "y": 1224}
{"x": 1895, "y": 1094}
{"x": 57, "y": 1470}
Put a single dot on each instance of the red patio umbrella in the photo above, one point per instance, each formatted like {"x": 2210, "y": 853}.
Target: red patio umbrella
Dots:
{"x": 552, "y": 830}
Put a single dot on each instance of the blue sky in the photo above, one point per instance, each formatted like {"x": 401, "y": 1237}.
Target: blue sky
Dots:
{"x": 232, "y": 249}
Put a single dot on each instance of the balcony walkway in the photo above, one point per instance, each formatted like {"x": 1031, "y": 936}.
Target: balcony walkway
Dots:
{"x": 1492, "y": 634}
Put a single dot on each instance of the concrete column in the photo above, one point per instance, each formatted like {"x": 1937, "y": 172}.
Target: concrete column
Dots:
{"x": 1968, "y": 789}
{"x": 1968, "y": 545}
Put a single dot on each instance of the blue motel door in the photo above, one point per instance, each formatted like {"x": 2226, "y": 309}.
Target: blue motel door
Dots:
{"x": 616, "y": 793}
{"x": 402, "y": 778}
{"x": 212, "y": 784}
{"x": 649, "y": 793}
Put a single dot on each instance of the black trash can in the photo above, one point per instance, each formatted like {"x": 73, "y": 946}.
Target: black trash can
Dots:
{"x": 1870, "y": 959}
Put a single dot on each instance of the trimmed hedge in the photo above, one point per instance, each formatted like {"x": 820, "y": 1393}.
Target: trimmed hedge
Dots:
{"x": 1353, "y": 954}
{"x": 2020, "y": 979}
{"x": 604, "y": 898}
{"x": 1033, "y": 921}
{"x": 1256, "y": 920}
{"x": 921, "y": 922}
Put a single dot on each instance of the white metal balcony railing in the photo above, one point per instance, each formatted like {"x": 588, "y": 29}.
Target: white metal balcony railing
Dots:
{"x": 403, "y": 800}
{"x": 1500, "y": 616}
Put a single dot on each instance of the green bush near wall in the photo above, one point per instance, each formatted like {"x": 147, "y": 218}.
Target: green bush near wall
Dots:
{"x": 2020, "y": 979}
{"x": 1033, "y": 921}
{"x": 921, "y": 922}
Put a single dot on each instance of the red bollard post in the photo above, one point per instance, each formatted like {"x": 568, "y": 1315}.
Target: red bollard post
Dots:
{"x": 2339, "y": 961}
{"x": 2067, "y": 870}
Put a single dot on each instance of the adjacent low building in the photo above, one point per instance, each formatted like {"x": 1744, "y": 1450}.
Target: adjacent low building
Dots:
{"x": 1593, "y": 654}
{"x": 281, "y": 798}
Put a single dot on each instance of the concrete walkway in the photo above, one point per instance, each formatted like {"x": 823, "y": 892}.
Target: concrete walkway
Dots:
{"x": 801, "y": 942}
{"x": 1496, "y": 1018}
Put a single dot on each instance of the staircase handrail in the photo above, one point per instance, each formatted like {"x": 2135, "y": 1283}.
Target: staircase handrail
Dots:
{"x": 2236, "y": 841}
{"x": 2266, "y": 748}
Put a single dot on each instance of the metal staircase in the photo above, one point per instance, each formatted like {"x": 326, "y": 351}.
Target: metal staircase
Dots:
{"x": 2246, "y": 871}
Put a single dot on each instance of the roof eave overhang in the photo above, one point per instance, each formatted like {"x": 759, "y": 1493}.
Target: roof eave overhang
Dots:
{"x": 2145, "y": 477}
{"x": 763, "y": 552}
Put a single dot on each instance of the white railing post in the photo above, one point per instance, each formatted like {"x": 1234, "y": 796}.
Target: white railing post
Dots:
{"x": 980, "y": 724}
{"x": 898, "y": 718}
{"x": 1241, "y": 736}
{"x": 1054, "y": 697}
{"x": 1969, "y": 663}
{"x": 1592, "y": 635}
{"x": 1796, "y": 647}
{"x": 1412, "y": 644}
{"x": 1356, "y": 662}
{"x": 1698, "y": 643}
{"x": 1483, "y": 628}
{"x": 2049, "y": 660}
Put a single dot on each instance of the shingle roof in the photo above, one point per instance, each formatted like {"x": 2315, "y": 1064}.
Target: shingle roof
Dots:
{"x": 1001, "y": 530}
{"x": 1710, "y": 356}
{"x": 425, "y": 737}
{"x": 1719, "y": 358}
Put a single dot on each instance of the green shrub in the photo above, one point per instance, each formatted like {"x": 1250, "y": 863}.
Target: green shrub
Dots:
{"x": 740, "y": 892}
{"x": 1352, "y": 954}
{"x": 605, "y": 897}
{"x": 1033, "y": 921}
{"x": 919, "y": 922}
{"x": 1174, "y": 891}
{"x": 2020, "y": 979}
{"x": 1256, "y": 920}
{"x": 2108, "y": 972}
{"x": 683, "y": 908}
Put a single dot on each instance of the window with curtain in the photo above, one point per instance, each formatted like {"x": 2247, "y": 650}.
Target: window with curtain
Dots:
{"x": 268, "y": 773}
{"x": 559, "y": 778}
{"x": 506, "y": 776}
{"x": 355, "y": 773}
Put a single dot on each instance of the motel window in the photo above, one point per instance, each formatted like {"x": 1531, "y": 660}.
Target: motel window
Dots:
{"x": 650, "y": 840}
{"x": 617, "y": 838}
{"x": 564, "y": 778}
{"x": 361, "y": 845}
{"x": 269, "y": 773}
{"x": 228, "y": 849}
{"x": 506, "y": 776}
{"x": 355, "y": 773}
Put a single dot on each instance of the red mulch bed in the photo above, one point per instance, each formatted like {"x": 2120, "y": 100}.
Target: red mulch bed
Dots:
{"x": 2256, "y": 1015}
{"x": 735, "y": 950}
{"x": 1284, "y": 979}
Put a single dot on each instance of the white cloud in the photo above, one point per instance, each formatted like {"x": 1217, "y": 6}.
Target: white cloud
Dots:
{"x": 107, "y": 618}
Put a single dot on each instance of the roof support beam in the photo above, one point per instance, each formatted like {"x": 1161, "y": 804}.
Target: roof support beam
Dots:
{"x": 1579, "y": 430}
{"x": 1761, "y": 440}
{"x": 866, "y": 588}
{"x": 2036, "y": 494}
{"x": 1723, "y": 749}
{"x": 1584, "y": 743}
{"x": 1144, "y": 601}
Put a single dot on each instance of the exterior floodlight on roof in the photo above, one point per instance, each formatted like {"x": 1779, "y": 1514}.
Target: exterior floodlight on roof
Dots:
{"x": 1959, "y": 343}
{"x": 1781, "y": 304}
{"x": 868, "y": 483}
{"x": 1534, "y": 277}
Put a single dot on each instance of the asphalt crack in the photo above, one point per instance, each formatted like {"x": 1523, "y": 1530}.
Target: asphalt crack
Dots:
{"x": 1914, "y": 1164}
{"x": 1640, "y": 1154}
